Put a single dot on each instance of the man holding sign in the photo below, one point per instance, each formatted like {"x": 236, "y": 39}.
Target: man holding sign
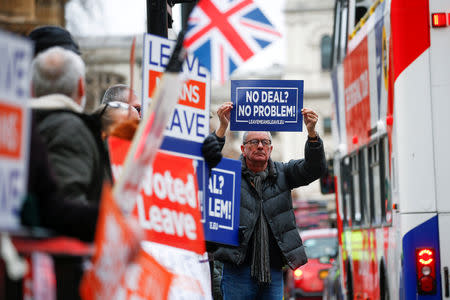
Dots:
{"x": 268, "y": 235}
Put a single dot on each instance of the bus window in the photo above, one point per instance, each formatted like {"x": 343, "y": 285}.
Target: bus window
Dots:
{"x": 361, "y": 9}
{"x": 364, "y": 186}
{"x": 356, "y": 190}
{"x": 346, "y": 190}
{"x": 358, "y": 9}
{"x": 384, "y": 158}
{"x": 375, "y": 184}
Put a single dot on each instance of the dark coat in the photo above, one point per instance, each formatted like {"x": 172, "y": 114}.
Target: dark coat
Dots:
{"x": 75, "y": 149}
{"x": 277, "y": 206}
{"x": 45, "y": 205}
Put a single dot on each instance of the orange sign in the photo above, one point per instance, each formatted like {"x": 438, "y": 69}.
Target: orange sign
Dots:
{"x": 192, "y": 94}
{"x": 11, "y": 120}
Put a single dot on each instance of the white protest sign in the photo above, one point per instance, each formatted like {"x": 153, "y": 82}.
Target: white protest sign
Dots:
{"x": 15, "y": 59}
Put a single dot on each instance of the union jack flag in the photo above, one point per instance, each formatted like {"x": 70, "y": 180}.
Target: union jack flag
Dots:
{"x": 225, "y": 33}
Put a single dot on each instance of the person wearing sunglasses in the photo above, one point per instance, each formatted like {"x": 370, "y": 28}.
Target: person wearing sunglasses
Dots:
{"x": 268, "y": 236}
{"x": 121, "y": 93}
{"x": 113, "y": 113}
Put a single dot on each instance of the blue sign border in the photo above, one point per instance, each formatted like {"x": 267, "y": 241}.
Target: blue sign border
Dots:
{"x": 266, "y": 123}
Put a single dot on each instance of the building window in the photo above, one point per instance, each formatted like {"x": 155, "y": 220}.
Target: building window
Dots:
{"x": 325, "y": 52}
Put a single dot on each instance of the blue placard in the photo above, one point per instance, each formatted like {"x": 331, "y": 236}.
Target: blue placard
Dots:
{"x": 266, "y": 105}
{"x": 220, "y": 212}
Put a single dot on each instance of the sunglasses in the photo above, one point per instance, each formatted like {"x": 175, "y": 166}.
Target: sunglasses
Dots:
{"x": 116, "y": 104}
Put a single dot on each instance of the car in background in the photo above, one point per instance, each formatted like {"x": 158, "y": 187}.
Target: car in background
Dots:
{"x": 306, "y": 282}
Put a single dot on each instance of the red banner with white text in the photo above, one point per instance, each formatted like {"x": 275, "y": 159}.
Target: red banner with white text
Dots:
{"x": 167, "y": 207}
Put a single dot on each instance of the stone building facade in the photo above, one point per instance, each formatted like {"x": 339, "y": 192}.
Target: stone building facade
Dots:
{"x": 21, "y": 16}
{"x": 107, "y": 63}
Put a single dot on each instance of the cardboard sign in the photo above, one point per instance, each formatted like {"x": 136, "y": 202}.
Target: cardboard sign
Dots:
{"x": 266, "y": 105}
{"x": 15, "y": 60}
{"x": 220, "y": 212}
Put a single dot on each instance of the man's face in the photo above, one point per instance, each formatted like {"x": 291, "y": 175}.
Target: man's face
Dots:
{"x": 254, "y": 148}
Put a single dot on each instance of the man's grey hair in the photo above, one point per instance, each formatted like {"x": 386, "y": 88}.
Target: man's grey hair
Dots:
{"x": 244, "y": 137}
{"x": 56, "y": 71}
{"x": 116, "y": 93}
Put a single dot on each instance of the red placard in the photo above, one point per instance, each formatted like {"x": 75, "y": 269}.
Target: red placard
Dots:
{"x": 167, "y": 206}
{"x": 357, "y": 96}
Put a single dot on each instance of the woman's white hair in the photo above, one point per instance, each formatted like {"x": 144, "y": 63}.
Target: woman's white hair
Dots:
{"x": 56, "y": 71}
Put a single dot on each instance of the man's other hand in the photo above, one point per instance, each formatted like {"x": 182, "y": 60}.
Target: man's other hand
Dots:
{"x": 310, "y": 119}
{"x": 223, "y": 113}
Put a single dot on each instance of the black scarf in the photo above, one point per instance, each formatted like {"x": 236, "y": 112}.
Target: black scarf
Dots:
{"x": 260, "y": 259}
